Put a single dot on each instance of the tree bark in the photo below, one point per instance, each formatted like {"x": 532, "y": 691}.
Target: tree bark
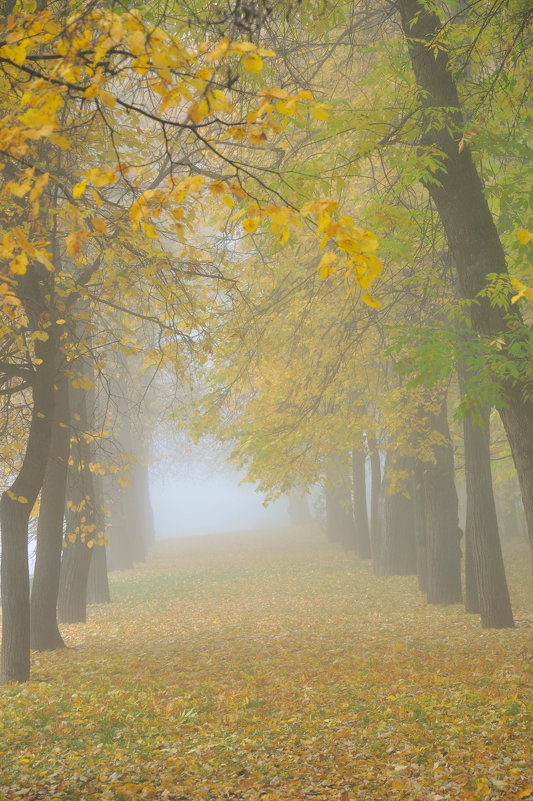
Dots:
{"x": 419, "y": 501}
{"x": 81, "y": 523}
{"x": 97, "y": 581}
{"x": 339, "y": 513}
{"x": 362, "y": 531}
{"x": 474, "y": 243}
{"x": 45, "y": 633}
{"x": 375, "y": 494}
{"x": 482, "y": 527}
{"x": 398, "y": 555}
{"x": 442, "y": 519}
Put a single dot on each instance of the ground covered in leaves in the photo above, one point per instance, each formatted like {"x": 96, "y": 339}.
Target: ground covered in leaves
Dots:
{"x": 226, "y": 671}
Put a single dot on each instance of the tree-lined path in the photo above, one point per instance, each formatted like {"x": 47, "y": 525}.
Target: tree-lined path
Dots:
{"x": 271, "y": 667}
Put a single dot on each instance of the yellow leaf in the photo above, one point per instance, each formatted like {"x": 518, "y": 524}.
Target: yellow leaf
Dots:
{"x": 99, "y": 225}
{"x": 526, "y": 792}
{"x": 108, "y": 99}
{"x": 79, "y": 189}
{"x": 15, "y": 54}
{"x": 524, "y": 236}
{"x": 18, "y": 264}
{"x": 91, "y": 91}
{"x": 149, "y": 230}
{"x": 319, "y": 112}
{"x": 370, "y": 301}
{"x": 72, "y": 538}
{"x": 252, "y": 62}
{"x": 250, "y": 225}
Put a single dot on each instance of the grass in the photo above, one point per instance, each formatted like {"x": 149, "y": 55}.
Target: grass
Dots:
{"x": 272, "y": 666}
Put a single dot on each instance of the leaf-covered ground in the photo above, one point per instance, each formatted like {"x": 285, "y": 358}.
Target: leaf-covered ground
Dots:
{"x": 223, "y": 671}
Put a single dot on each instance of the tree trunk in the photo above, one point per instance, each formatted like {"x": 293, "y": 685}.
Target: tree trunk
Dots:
{"x": 148, "y": 516}
{"x": 14, "y": 516}
{"x": 398, "y": 556}
{"x": 97, "y": 582}
{"x": 45, "y": 633}
{"x": 419, "y": 501}
{"x": 471, "y": 594}
{"x": 81, "y": 522}
{"x": 72, "y": 600}
{"x": 442, "y": 519}
{"x": 338, "y": 504}
{"x": 375, "y": 494}
{"x": 362, "y": 531}
{"x": 474, "y": 243}
{"x": 482, "y": 527}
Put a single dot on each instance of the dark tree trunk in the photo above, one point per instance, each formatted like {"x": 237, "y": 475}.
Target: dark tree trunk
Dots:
{"x": 72, "y": 600}
{"x": 97, "y": 582}
{"x": 474, "y": 243}
{"x": 45, "y": 633}
{"x": 419, "y": 500}
{"x": 81, "y": 522}
{"x": 375, "y": 494}
{"x": 471, "y": 595}
{"x": 14, "y": 516}
{"x": 362, "y": 531}
{"x": 398, "y": 556}
{"x": 442, "y": 519}
{"x": 482, "y": 527}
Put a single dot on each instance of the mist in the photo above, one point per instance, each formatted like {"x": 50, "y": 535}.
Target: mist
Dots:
{"x": 209, "y": 503}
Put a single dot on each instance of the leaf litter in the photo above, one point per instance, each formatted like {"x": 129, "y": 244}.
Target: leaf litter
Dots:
{"x": 263, "y": 668}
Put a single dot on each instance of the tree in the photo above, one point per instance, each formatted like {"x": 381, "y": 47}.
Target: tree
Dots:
{"x": 475, "y": 245}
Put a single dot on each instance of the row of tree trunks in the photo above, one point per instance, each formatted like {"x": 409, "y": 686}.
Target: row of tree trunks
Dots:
{"x": 16, "y": 505}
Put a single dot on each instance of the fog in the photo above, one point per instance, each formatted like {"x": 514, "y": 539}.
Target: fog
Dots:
{"x": 210, "y": 502}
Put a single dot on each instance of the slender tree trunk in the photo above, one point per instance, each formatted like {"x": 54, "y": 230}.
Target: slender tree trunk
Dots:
{"x": 362, "y": 530}
{"x": 97, "y": 582}
{"x": 419, "y": 500}
{"x": 15, "y": 508}
{"x": 45, "y": 633}
{"x": 81, "y": 523}
{"x": 148, "y": 512}
{"x": 482, "y": 527}
{"x": 375, "y": 494}
{"x": 398, "y": 555}
{"x": 471, "y": 594}
{"x": 474, "y": 243}
{"x": 338, "y": 504}
{"x": 442, "y": 519}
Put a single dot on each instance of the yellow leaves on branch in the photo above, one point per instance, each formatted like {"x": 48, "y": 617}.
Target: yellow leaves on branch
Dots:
{"x": 352, "y": 249}
{"x": 81, "y": 56}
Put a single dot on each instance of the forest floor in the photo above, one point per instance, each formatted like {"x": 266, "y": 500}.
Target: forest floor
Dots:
{"x": 273, "y": 667}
